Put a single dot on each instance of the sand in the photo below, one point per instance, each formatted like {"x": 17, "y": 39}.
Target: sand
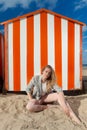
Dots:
{"x": 14, "y": 116}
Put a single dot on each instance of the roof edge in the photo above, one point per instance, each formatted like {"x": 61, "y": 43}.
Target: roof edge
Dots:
{"x": 39, "y": 11}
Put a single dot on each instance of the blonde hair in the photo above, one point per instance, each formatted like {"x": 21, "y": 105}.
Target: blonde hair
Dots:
{"x": 51, "y": 79}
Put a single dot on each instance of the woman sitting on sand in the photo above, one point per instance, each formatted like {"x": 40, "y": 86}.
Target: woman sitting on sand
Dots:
{"x": 41, "y": 90}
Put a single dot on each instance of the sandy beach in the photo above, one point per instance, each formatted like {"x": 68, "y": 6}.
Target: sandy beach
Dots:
{"x": 14, "y": 116}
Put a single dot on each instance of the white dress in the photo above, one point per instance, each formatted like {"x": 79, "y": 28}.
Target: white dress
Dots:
{"x": 44, "y": 90}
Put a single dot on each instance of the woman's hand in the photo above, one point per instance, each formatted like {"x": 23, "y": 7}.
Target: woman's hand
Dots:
{"x": 35, "y": 101}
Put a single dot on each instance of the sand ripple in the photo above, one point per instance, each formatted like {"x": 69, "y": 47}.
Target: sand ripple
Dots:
{"x": 14, "y": 116}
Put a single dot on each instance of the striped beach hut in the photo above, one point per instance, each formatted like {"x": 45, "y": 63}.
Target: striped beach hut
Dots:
{"x": 1, "y": 57}
{"x": 40, "y": 38}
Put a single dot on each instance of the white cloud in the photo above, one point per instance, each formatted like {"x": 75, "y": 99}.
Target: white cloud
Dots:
{"x": 6, "y": 4}
{"x": 85, "y": 51}
{"x": 81, "y": 4}
{"x": 84, "y": 29}
{"x": 13, "y": 3}
{"x": 50, "y": 3}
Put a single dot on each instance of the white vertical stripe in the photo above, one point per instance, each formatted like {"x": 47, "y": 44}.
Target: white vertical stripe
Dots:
{"x": 23, "y": 56}
{"x": 51, "y": 47}
{"x": 37, "y": 44}
{"x": 64, "y": 31}
{"x": 77, "y": 56}
{"x": 10, "y": 57}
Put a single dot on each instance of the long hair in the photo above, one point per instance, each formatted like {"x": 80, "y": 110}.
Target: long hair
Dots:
{"x": 51, "y": 80}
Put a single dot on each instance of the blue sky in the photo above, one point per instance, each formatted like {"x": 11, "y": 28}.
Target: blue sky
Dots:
{"x": 75, "y": 9}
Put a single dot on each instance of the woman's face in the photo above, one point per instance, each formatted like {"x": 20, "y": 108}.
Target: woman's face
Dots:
{"x": 46, "y": 73}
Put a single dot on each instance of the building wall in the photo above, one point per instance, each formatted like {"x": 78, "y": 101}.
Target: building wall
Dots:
{"x": 33, "y": 42}
{"x": 1, "y": 56}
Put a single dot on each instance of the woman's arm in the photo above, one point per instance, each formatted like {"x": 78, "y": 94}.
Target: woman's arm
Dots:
{"x": 29, "y": 96}
{"x": 29, "y": 88}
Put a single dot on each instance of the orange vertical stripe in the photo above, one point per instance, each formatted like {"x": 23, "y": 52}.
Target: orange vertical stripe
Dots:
{"x": 30, "y": 48}
{"x": 70, "y": 55}
{"x": 16, "y": 55}
{"x": 43, "y": 39}
{"x": 58, "y": 53}
{"x": 81, "y": 53}
{"x": 0, "y": 55}
{"x": 6, "y": 55}
{"x": 2, "y": 52}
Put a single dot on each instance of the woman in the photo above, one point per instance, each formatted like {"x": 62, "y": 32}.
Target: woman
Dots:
{"x": 41, "y": 90}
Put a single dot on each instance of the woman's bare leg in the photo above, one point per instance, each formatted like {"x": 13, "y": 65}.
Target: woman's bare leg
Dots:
{"x": 72, "y": 114}
{"x": 59, "y": 97}
{"x": 66, "y": 107}
{"x": 35, "y": 106}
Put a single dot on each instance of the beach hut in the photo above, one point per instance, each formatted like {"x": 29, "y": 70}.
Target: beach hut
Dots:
{"x": 1, "y": 57}
{"x": 40, "y": 38}
{"x": 1, "y": 62}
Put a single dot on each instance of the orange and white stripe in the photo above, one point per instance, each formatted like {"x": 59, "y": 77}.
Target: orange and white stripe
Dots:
{"x": 1, "y": 56}
{"x": 40, "y": 39}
